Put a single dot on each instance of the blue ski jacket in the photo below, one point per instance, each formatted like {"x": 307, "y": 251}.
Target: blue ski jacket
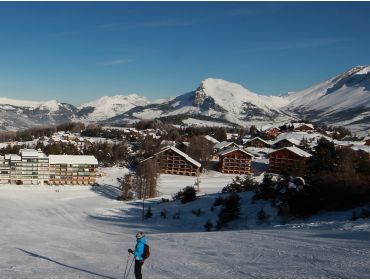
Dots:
{"x": 139, "y": 248}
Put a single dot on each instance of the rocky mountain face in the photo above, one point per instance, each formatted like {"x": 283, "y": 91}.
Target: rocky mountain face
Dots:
{"x": 341, "y": 100}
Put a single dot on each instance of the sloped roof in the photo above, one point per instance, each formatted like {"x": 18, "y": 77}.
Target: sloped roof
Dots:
{"x": 295, "y": 150}
{"x": 211, "y": 139}
{"x": 291, "y": 140}
{"x": 258, "y": 138}
{"x": 223, "y": 144}
{"x": 177, "y": 151}
{"x": 296, "y": 125}
{"x": 233, "y": 149}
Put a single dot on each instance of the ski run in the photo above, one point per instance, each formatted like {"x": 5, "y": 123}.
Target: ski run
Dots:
{"x": 83, "y": 232}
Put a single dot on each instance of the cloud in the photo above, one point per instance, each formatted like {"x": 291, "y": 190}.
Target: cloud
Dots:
{"x": 117, "y": 62}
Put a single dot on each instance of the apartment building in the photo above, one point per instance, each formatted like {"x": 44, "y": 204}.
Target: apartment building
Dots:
{"x": 34, "y": 167}
{"x": 72, "y": 169}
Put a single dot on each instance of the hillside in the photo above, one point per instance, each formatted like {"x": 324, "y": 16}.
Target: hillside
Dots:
{"x": 83, "y": 232}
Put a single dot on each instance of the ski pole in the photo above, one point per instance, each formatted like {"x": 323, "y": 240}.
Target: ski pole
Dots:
{"x": 128, "y": 259}
{"x": 133, "y": 258}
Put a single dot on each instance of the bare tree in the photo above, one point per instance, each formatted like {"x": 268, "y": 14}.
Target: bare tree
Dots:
{"x": 200, "y": 149}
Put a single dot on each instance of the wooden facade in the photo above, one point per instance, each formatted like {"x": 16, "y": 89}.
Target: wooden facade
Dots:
{"x": 257, "y": 143}
{"x": 272, "y": 132}
{"x": 289, "y": 160}
{"x": 303, "y": 127}
{"x": 235, "y": 161}
{"x": 286, "y": 143}
{"x": 172, "y": 161}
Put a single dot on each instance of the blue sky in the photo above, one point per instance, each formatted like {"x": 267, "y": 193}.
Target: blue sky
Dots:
{"x": 78, "y": 51}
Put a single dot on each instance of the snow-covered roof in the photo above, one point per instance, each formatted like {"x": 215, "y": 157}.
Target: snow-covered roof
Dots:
{"x": 259, "y": 139}
{"x": 193, "y": 161}
{"x": 32, "y": 153}
{"x": 296, "y": 125}
{"x": 223, "y": 144}
{"x": 295, "y": 150}
{"x": 233, "y": 149}
{"x": 211, "y": 139}
{"x": 72, "y": 159}
{"x": 13, "y": 157}
{"x": 291, "y": 140}
{"x": 268, "y": 127}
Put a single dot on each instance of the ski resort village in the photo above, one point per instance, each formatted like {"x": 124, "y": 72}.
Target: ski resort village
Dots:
{"x": 298, "y": 192}
{"x": 184, "y": 140}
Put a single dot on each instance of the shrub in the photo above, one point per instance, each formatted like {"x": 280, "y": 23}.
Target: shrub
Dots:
{"x": 230, "y": 211}
{"x": 198, "y": 212}
{"x": 149, "y": 213}
{"x": 262, "y": 216}
{"x": 240, "y": 185}
{"x": 208, "y": 225}
{"x": 187, "y": 194}
{"x": 219, "y": 201}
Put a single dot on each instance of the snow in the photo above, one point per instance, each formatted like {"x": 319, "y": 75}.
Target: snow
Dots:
{"x": 83, "y": 232}
{"x": 196, "y": 122}
{"x": 109, "y": 106}
{"x": 72, "y": 159}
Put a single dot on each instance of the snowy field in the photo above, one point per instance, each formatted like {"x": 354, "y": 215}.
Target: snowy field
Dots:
{"x": 82, "y": 232}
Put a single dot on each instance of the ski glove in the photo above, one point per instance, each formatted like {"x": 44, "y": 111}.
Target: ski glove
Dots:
{"x": 130, "y": 251}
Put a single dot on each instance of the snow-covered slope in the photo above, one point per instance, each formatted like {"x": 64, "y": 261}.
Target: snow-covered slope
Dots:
{"x": 109, "y": 106}
{"x": 342, "y": 100}
{"x": 83, "y": 232}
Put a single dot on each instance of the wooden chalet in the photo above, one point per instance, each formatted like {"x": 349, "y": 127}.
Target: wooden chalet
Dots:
{"x": 257, "y": 143}
{"x": 235, "y": 161}
{"x": 271, "y": 132}
{"x": 286, "y": 142}
{"x": 306, "y": 127}
{"x": 171, "y": 160}
{"x": 291, "y": 160}
{"x": 224, "y": 145}
{"x": 367, "y": 141}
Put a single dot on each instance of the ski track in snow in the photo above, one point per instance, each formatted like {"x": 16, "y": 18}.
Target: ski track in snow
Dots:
{"x": 84, "y": 234}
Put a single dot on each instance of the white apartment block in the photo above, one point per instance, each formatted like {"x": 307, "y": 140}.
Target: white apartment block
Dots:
{"x": 34, "y": 167}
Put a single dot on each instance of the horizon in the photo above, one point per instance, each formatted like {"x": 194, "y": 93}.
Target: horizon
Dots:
{"x": 78, "y": 52}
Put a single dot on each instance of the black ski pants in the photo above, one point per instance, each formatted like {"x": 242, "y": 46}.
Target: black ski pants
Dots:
{"x": 138, "y": 265}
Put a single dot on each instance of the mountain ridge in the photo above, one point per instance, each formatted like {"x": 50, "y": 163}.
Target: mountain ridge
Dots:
{"x": 341, "y": 100}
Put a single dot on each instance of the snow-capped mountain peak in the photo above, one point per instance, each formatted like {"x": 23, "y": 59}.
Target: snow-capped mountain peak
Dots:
{"x": 109, "y": 106}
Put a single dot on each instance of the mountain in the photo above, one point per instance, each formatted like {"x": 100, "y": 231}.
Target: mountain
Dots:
{"x": 341, "y": 100}
{"x": 214, "y": 99}
{"x": 109, "y": 106}
{"x": 20, "y": 114}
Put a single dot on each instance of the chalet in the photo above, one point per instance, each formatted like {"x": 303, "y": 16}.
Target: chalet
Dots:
{"x": 224, "y": 145}
{"x": 235, "y": 161}
{"x": 286, "y": 142}
{"x": 270, "y": 131}
{"x": 257, "y": 143}
{"x": 173, "y": 161}
{"x": 367, "y": 141}
{"x": 289, "y": 159}
{"x": 306, "y": 127}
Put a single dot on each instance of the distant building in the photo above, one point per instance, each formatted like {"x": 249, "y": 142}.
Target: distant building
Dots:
{"x": 257, "y": 143}
{"x": 270, "y": 132}
{"x": 290, "y": 159}
{"x": 367, "y": 141}
{"x": 171, "y": 160}
{"x": 286, "y": 142}
{"x": 235, "y": 161}
{"x": 306, "y": 127}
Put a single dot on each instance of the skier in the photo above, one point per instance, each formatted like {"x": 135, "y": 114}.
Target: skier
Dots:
{"x": 138, "y": 254}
